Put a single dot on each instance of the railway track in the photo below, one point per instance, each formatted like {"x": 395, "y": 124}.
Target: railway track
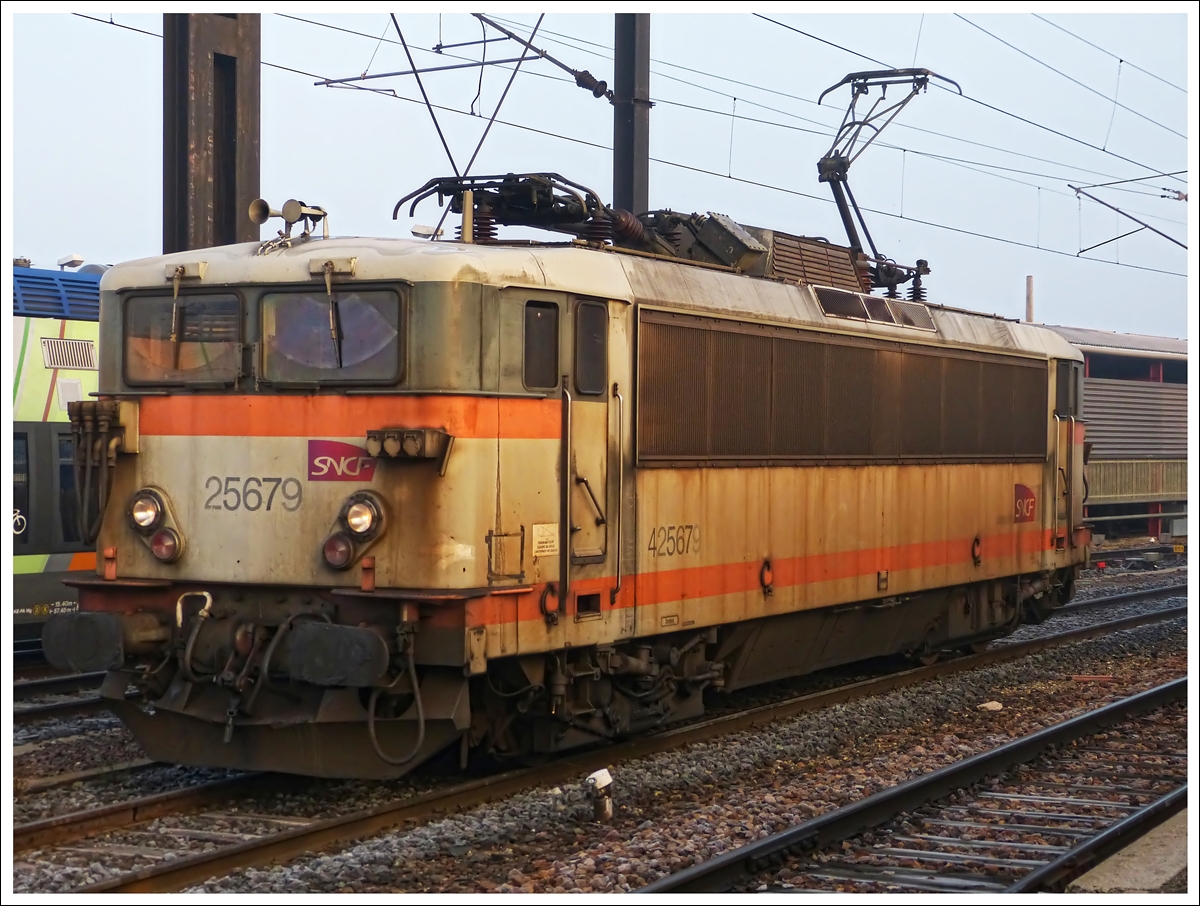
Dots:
{"x": 266, "y": 842}
{"x": 1057, "y": 802}
{"x": 56, "y": 685}
{"x": 91, "y": 704}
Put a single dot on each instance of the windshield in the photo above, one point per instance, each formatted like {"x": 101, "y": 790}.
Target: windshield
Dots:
{"x": 351, "y": 336}
{"x": 192, "y": 339}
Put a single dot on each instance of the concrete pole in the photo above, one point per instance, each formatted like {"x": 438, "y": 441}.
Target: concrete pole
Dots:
{"x": 1029, "y": 299}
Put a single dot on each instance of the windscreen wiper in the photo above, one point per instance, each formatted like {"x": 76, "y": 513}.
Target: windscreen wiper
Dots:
{"x": 176, "y": 318}
{"x": 335, "y": 331}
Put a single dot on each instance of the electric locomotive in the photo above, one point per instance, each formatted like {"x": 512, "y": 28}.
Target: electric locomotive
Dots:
{"x": 368, "y": 499}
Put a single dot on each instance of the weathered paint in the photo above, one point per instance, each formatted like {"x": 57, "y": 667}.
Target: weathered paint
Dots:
{"x": 828, "y": 531}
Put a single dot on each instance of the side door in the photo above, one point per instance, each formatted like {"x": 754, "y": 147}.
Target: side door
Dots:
{"x": 1068, "y": 454}
{"x": 593, "y": 514}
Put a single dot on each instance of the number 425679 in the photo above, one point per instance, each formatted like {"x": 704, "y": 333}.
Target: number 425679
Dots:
{"x": 674, "y": 540}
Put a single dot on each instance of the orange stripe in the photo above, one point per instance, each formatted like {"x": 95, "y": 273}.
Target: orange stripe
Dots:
{"x": 734, "y": 578}
{"x": 86, "y": 560}
{"x": 346, "y": 416}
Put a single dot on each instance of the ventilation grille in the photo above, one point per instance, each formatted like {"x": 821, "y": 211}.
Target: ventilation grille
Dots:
{"x": 719, "y": 392}
{"x": 41, "y": 293}
{"x": 911, "y": 314}
{"x": 838, "y": 303}
{"x": 813, "y": 262}
{"x": 75, "y": 355}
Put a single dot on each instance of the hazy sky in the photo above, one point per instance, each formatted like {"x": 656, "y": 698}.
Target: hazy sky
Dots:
{"x": 735, "y": 129}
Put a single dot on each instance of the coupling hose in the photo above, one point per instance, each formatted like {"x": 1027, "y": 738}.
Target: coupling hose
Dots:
{"x": 375, "y": 693}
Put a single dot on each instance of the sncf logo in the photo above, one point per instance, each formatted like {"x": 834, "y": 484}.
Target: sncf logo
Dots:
{"x": 331, "y": 460}
{"x": 1024, "y": 504}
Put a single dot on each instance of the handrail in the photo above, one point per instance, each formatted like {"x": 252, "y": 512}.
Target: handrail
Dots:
{"x": 620, "y": 481}
{"x": 1057, "y": 473}
{"x": 1070, "y": 495}
{"x": 564, "y": 525}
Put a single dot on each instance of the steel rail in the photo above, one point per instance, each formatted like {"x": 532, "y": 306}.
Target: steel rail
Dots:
{"x": 64, "y": 828}
{"x": 1055, "y": 876}
{"x": 54, "y": 685}
{"x": 90, "y": 705}
{"x": 1124, "y": 597}
{"x": 722, "y": 872}
{"x": 189, "y": 870}
{"x": 28, "y": 785}
{"x": 1124, "y": 553}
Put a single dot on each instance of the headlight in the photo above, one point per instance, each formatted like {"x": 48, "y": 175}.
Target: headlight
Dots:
{"x": 338, "y": 551}
{"x": 165, "y": 545}
{"x": 146, "y": 511}
{"x": 361, "y": 517}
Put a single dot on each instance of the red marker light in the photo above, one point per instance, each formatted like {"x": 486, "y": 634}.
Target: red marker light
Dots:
{"x": 165, "y": 545}
{"x": 338, "y": 551}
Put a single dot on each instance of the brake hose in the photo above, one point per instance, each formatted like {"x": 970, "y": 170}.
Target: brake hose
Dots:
{"x": 375, "y": 693}
{"x": 263, "y": 677}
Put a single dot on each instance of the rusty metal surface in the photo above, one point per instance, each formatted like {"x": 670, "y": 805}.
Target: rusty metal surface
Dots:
{"x": 487, "y": 531}
{"x": 210, "y": 128}
{"x": 631, "y": 112}
{"x": 712, "y": 390}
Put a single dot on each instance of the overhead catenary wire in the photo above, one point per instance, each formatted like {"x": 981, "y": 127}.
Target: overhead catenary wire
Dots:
{"x": 794, "y": 192}
{"x": 824, "y": 130}
{"x": 975, "y": 100}
{"x": 694, "y": 169}
{"x": 658, "y": 100}
{"x": 1109, "y": 53}
{"x": 583, "y": 44}
{"x": 1072, "y": 79}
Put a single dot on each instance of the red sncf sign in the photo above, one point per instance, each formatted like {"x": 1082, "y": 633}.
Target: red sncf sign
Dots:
{"x": 1024, "y": 504}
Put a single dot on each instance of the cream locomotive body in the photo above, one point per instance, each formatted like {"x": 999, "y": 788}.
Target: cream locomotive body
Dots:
{"x": 369, "y": 498}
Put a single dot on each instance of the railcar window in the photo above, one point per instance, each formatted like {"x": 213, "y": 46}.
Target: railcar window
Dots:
{"x": 541, "y": 345}
{"x": 68, "y": 505}
{"x": 591, "y": 348}
{"x": 355, "y": 336}
{"x": 191, "y": 339}
{"x": 20, "y": 514}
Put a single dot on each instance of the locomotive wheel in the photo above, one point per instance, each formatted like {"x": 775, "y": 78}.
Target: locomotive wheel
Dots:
{"x": 975, "y": 647}
{"x": 1038, "y": 610}
{"x": 928, "y": 659}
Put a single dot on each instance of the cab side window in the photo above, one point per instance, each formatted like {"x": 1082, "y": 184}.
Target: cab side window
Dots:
{"x": 541, "y": 345}
{"x": 1065, "y": 401}
{"x": 591, "y": 348}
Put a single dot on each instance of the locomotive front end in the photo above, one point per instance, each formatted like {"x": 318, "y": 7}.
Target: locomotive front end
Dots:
{"x": 284, "y": 533}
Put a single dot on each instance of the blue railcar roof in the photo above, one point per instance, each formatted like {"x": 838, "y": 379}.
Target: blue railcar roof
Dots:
{"x": 39, "y": 293}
